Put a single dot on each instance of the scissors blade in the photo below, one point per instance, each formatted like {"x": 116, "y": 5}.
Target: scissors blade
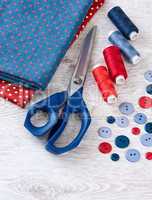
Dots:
{"x": 83, "y": 61}
{"x": 84, "y": 58}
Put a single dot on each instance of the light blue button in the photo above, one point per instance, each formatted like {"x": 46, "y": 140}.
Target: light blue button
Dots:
{"x": 105, "y": 132}
{"x": 133, "y": 155}
{"x": 122, "y": 121}
{"x": 126, "y": 108}
{"x": 146, "y": 140}
{"x": 148, "y": 76}
{"x": 140, "y": 118}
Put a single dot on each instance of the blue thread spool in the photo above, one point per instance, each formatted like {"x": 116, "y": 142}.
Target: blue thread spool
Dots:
{"x": 123, "y": 23}
{"x": 129, "y": 52}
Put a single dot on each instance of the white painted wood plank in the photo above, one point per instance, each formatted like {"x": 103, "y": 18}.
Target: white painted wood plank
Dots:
{"x": 28, "y": 172}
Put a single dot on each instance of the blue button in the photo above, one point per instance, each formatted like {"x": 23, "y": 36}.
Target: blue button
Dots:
{"x": 148, "y": 75}
{"x": 146, "y": 140}
{"x": 133, "y": 155}
{"x": 104, "y": 132}
{"x": 111, "y": 119}
{"x": 149, "y": 89}
{"x": 148, "y": 127}
{"x": 122, "y": 141}
{"x": 140, "y": 118}
{"x": 115, "y": 157}
{"x": 122, "y": 122}
{"x": 126, "y": 108}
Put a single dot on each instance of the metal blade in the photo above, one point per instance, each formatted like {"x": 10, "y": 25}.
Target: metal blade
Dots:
{"x": 83, "y": 61}
{"x": 84, "y": 58}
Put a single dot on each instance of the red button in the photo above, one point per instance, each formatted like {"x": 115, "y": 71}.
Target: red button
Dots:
{"x": 148, "y": 155}
{"x": 145, "y": 102}
{"x": 135, "y": 131}
{"x": 105, "y": 147}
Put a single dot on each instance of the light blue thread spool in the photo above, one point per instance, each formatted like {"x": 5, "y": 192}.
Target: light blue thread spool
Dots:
{"x": 129, "y": 52}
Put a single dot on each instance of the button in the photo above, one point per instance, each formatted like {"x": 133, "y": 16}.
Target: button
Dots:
{"x": 148, "y": 76}
{"x": 122, "y": 141}
{"x": 104, "y": 132}
{"x": 105, "y": 148}
{"x": 122, "y": 122}
{"x": 115, "y": 157}
{"x": 135, "y": 131}
{"x": 148, "y": 155}
{"x": 111, "y": 119}
{"x": 133, "y": 155}
{"x": 148, "y": 127}
{"x": 126, "y": 108}
{"x": 149, "y": 89}
{"x": 145, "y": 102}
{"x": 146, "y": 140}
{"x": 140, "y": 118}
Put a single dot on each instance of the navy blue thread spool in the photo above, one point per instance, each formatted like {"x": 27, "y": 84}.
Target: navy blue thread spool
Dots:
{"x": 123, "y": 23}
{"x": 129, "y": 52}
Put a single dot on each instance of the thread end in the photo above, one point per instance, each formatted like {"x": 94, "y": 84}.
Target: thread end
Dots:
{"x": 97, "y": 65}
{"x": 136, "y": 59}
{"x": 112, "y": 99}
{"x": 133, "y": 36}
{"x": 110, "y": 33}
{"x": 120, "y": 80}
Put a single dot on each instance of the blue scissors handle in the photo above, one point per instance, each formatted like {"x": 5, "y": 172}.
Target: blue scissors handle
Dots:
{"x": 75, "y": 104}
{"x": 51, "y": 106}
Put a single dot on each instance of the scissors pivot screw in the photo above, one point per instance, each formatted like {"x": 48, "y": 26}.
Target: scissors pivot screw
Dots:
{"x": 78, "y": 80}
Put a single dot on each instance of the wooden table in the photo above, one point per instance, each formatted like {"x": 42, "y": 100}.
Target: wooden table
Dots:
{"x": 28, "y": 172}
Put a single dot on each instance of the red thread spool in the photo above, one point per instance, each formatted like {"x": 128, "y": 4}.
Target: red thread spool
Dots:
{"x": 115, "y": 64}
{"x": 105, "y": 84}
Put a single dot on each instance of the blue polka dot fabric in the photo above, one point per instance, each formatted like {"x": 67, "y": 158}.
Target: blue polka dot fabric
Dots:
{"x": 34, "y": 37}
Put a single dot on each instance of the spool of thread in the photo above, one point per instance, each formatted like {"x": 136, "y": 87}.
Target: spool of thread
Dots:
{"x": 115, "y": 64}
{"x": 123, "y": 23}
{"x": 129, "y": 52}
{"x": 105, "y": 84}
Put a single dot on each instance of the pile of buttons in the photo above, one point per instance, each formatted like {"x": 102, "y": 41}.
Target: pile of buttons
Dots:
{"x": 122, "y": 141}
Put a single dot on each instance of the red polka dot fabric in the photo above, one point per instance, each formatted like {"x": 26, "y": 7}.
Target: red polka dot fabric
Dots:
{"x": 92, "y": 11}
{"x": 20, "y": 95}
{"x": 15, "y": 93}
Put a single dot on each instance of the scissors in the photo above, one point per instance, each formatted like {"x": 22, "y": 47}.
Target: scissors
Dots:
{"x": 61, "y": 105}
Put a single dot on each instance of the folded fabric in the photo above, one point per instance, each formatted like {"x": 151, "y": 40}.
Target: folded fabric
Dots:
{"x": 16, "y": 94}
{"x": 20, "y": 95}
{"x": 96, "y": 5}
{"x": 34, "y": 37}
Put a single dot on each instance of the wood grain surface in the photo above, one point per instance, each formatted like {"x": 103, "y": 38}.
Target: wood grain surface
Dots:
{"x": 28, "y": 172}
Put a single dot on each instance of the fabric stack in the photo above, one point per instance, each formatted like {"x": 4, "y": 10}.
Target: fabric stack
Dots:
{"x": 34, "y": 38}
